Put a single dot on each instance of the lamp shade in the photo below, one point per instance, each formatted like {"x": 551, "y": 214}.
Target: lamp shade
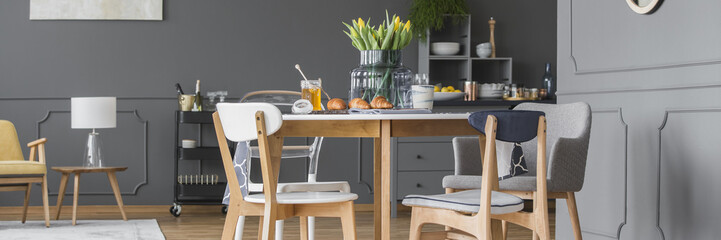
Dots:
{"x": 93, "y": 112}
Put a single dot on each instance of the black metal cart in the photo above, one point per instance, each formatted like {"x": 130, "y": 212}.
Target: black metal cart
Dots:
{"x": 203, "y": 191}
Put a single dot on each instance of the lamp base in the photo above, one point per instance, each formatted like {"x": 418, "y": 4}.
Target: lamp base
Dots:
{"x": 93, "y": 156}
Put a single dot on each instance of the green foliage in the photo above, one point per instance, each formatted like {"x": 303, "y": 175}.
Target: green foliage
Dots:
{"x": 429, "y": 14}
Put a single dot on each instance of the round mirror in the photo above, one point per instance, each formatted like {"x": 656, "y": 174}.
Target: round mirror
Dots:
{"x": 643, "y": 6}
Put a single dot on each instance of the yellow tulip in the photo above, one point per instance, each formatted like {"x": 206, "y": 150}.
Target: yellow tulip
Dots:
{"x": 360, "y": 23}
{"x": 398, "y": 20}
{"x": 408, "y": 26}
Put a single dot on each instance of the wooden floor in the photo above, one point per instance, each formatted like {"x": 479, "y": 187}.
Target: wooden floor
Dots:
{"x": 206, "y": 222}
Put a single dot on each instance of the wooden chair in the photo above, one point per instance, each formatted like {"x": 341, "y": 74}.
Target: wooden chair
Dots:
{"x": 18, "y": 174}
{"x": 475, "y": 214}
{"x": 234, "y": 121}
{"x": 569, "y": 127}
{"x": 284, "y": 100}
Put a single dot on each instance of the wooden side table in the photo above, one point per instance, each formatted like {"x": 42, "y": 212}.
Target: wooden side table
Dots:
{"x": 66, "y": 171}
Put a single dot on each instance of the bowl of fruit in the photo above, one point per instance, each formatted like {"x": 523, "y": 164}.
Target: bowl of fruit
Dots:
{"x": 446, "y": 93}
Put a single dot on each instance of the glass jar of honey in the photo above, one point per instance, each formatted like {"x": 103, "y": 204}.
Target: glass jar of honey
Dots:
{"x": 311, "y": 91}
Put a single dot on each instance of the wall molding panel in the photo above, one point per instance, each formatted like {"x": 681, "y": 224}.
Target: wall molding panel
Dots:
{"x": 614, "y": 233}
{"x": 583, "y": 70}
{"x": 144, "y": 128}
{"x": 661, "y": 128}
{"x": 636, "y": 90}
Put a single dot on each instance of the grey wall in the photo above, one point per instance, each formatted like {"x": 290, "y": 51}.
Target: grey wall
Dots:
{"x": 239, "y": 46}
{"x": 653, "y": 82}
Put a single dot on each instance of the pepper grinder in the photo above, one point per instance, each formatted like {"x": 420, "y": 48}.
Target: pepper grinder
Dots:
{"x": 492, "y": 26}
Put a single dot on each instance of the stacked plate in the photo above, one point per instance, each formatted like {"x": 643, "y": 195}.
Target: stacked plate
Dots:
{"x": 491, "y": 90}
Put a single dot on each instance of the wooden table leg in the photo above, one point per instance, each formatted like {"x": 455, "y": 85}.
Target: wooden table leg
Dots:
{"x": 386, "y": 179}
{"x": 377, "y": 187}
{"x": 116, "y": 191}
{"x": 61, "y": 194}
{"x": 75, "y": 198}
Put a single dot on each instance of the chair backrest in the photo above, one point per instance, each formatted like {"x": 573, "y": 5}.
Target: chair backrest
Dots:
{"x": 280, "y": 98}
{"x": 513, "y": 126}
{"x": 9, "y": 143}
{"x": 567, "y": 160}
{"x": 572, "y": 120}
{"x": 238, "y": 119}
{"x": 238, "y": 123}
{"x": 284, "y": 101}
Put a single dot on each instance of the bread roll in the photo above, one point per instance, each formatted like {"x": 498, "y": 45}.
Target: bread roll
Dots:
{"x": 381, "y": 102}
{"x": 359, "y": 103}
{"x": 336, "y": 104}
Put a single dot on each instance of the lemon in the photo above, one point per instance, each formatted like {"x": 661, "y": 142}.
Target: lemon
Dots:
{"x": 445, "y": 89}
{"x": 436, "y": 89}
{"x": 451, "y": 89}
{"x": 457, "y": 90}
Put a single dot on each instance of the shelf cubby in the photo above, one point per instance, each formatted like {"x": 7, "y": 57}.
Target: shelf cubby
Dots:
{"x": 449, "y": 70}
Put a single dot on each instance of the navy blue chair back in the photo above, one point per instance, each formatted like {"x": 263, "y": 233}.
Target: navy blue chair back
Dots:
{"x": 513, "y": 125}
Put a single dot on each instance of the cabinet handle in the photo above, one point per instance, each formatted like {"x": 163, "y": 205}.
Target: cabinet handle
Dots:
{"x": 418, "y": 185}
{"x": 418, "y": 157}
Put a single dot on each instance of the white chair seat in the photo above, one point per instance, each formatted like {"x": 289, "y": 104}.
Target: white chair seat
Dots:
{"x": 288, "y": 152}
{"x": 314, "y": 187}
{"x": 304, "y": 197}
{"x": 467, "y": 201}
{"x": 305, "y": 187}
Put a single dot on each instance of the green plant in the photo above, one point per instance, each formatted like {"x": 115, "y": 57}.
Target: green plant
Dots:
{"x": 392, "y": 34}
{"x": 429, "y": 14}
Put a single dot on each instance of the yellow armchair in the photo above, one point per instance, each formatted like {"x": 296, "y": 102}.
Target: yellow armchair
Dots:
{"x": 18, "y": 174}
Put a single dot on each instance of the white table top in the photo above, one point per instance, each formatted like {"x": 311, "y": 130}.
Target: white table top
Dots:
{"x": 428, "y": 116}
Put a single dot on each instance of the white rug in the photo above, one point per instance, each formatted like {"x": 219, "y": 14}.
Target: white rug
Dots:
{"x": 146, "y": 229}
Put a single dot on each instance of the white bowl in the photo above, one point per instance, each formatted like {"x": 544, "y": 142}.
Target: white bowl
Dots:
{"x": 483, "y": 52}
{"x": 484, "y": 45}
{"x": 189, "y": 143}
{"x": 445, "y": 48}
{"x": 445, "y": 96}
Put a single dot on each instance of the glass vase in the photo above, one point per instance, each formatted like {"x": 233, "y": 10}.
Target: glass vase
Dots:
{"x": 381, "y": 73}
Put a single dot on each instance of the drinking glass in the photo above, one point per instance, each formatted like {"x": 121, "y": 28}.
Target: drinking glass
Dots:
{"x": 420, "y": 79}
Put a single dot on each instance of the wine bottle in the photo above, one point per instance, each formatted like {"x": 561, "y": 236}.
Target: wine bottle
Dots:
{"x": 198, "y": 103}
{"x": 549, "y": 83}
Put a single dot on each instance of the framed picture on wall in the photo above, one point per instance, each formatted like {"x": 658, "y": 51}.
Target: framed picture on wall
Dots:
{"x": 96, "y": 10}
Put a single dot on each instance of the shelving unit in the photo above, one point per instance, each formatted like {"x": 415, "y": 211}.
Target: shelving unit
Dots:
{"x": 196, "y": 194}
{"x": 466, "y": 65}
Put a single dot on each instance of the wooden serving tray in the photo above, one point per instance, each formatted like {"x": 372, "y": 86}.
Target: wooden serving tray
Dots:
{"x": 344, "y": 111}
{"x": 519, "y": 99}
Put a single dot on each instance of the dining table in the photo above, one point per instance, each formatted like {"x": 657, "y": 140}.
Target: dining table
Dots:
{"x": 380, "y": 127}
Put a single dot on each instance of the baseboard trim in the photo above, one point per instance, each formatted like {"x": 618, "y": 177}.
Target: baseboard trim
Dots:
{"x": 17, "y": 210}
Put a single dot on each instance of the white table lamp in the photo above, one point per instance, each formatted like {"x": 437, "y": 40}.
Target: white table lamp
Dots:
{"x": 92, "y": 113}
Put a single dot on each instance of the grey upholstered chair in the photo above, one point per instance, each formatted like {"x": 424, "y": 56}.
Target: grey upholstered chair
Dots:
{"x": 479, "y": 213}
{"x": 569, "y": 127}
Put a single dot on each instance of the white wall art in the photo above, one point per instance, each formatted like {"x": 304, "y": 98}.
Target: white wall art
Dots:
{"x": 96, "y": 9}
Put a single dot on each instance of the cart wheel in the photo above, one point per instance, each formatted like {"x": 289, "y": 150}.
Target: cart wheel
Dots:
{"x": 225, "y": 209}
{"x": 176, "y": 209}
